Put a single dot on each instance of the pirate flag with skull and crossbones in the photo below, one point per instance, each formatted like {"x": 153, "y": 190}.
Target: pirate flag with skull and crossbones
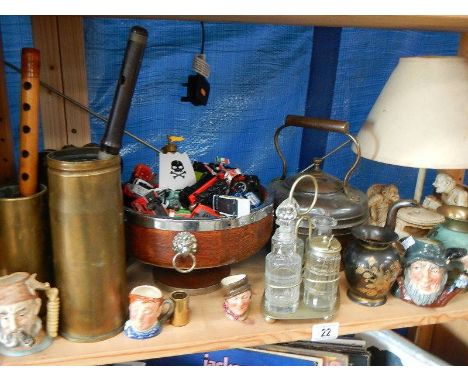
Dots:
{"x": 175, "y": 171}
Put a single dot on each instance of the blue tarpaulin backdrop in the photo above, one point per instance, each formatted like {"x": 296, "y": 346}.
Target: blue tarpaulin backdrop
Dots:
{"x": 259, "y": 74}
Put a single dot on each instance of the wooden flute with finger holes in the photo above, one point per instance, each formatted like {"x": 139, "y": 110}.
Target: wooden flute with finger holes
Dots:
{"x": 29, "y": 122}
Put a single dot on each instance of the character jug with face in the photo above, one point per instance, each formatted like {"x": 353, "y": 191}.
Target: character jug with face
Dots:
{"x": 427, "y": 279}
{"x": 20, "y": 325}
{"x": 237, "y": 296}
{"x": 372, "y": 260}
{"x": 146, "y": 312}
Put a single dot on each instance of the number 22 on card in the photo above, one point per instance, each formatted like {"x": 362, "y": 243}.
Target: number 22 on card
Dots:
{"x": 327, "y": 331}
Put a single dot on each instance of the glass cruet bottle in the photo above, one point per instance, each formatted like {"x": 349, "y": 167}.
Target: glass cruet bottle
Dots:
{"x": 293, "y": 232}
{"x": 322, "y": 268}
{"x": 283, "y": 265}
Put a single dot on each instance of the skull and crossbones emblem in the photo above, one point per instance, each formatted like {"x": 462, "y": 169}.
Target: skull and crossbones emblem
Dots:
{"x": 177, "y": 169}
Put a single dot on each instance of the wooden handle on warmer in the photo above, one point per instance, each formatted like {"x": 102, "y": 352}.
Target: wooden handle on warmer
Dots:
{"x": 29, "y": 121}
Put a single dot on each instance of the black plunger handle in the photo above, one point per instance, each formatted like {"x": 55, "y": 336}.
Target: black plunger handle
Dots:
{"x": 112, "y": 140}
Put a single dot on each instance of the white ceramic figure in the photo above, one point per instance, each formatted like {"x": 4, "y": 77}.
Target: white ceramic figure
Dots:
{"x": 430, "y": 202}
{"x": 451, "y": 194}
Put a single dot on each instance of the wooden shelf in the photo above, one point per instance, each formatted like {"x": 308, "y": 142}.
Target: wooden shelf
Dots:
{"x": 421, "y": 22}
{"x": 209, "y": 330}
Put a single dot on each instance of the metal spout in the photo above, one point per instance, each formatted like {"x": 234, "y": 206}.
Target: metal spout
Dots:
{"x": 392, "y": 212}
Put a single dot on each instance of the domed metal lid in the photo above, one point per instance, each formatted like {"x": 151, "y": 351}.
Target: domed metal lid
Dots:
{"x": 325, "y": 244}
{"x": 348, "y": 207}
{"x": 327, "y": 183}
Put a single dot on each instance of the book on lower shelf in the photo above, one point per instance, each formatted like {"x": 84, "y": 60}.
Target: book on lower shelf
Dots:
{"x": 237, "y": 357}
{"x": 343, "y": 351}
{"x": 340, "y": 352}
{"x": 365, "y": 349}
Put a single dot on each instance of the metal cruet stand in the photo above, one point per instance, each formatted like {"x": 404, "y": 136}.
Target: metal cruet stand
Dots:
{"x": 304, "y": 312}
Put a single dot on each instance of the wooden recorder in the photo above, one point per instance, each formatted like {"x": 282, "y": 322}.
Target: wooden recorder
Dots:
{"x": 29, "y": 121}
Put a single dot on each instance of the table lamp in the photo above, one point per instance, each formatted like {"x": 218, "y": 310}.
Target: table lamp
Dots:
{"x": 420, "y": 118}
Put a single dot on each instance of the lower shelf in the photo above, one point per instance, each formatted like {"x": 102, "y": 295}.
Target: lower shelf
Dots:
{"x": 209, "y": 330}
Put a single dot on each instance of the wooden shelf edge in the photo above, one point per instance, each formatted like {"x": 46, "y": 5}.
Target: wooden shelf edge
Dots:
{"x": 455, "y": 23}
{"x": 209, "y": 330}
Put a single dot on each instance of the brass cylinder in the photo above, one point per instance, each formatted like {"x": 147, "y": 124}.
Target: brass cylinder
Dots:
{"x": 181, "y": 313}
{"x": 24, "y": 233}
{"x": 87, "y": 227}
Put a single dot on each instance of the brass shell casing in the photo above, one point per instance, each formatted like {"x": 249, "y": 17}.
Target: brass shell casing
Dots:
{"x": 86, "y": 215}
{"x": 24, "y": 233}
{"x": 181, "y": 313}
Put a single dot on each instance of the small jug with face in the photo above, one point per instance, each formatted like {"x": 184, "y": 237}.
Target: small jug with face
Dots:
{"x": 237, "y": 297}
{"x": 146, "y": 312}
{"x": 21, "y": 330}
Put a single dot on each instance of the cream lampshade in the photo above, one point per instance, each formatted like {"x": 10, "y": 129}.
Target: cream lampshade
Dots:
{"x": 420, "y": 118}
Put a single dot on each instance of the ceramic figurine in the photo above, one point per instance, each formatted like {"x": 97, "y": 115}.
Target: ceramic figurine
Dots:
{"x": 416, "y": 221}
{"x": 424, "y": 281}
{"x": 380, "y": 198}
{"x": 451, "y": 194}
{"x": 146, "y": 304}
{"x": 20, "y": 326}
{"x": 431, "y": 202}
{"x": 237, "y": 297}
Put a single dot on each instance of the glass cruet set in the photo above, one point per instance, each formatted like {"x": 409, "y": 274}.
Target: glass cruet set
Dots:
{"x": 294, "y": 269}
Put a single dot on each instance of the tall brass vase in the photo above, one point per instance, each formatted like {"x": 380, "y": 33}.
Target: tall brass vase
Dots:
{"x": 86, "y": 214}
{"x": 24, "y": 233}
